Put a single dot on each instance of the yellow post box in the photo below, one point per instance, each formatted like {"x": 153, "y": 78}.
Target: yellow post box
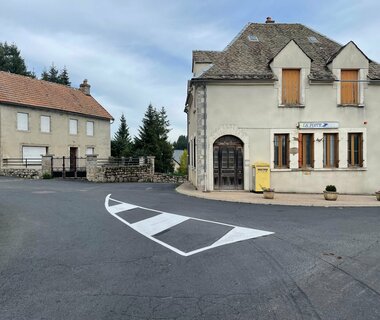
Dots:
{"x": 261, "y": 176}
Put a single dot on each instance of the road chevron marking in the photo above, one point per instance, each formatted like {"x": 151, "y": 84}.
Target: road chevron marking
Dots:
{"x": 164, "y": 220}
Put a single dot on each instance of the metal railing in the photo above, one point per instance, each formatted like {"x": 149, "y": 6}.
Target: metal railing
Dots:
{"x": 21, "y": 162}
{"x": 122, "y": 162}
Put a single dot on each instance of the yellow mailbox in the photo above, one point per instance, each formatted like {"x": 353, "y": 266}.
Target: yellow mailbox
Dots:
{"x": 261, "y": 176}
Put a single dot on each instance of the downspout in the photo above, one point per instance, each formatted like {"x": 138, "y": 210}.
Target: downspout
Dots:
{"x": 205, "y": 136}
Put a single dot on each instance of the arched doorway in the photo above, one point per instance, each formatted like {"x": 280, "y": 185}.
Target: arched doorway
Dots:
{"x": 228, "y": 163}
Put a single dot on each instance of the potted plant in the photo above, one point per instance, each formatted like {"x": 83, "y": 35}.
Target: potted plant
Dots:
{"x": 330, "y": 193}
{"x": 268, "y": 193}
{"x": 377, "y": 195}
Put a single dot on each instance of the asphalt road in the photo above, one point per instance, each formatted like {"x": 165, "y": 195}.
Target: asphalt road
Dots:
{"x": 63, "y": 256}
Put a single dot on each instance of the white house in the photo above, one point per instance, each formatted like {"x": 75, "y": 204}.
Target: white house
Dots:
{"x": 289, "y": 96}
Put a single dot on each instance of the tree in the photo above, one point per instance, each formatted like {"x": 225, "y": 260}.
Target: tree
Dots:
{"x": 121, "y": 145}
{"x": 152, "y": 139}
{"x": 183, "y": 163}
{"x": 63, "y": 77}
{"x": 11, "y": 60}
{"x": 181, "y": 143}
{"x": 53, "y": 75}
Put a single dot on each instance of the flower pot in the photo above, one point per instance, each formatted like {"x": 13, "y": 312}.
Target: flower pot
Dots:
{"x": 377, "y": 195}
{"x": 330, "y": 195}
{"x": 268, "y": 194}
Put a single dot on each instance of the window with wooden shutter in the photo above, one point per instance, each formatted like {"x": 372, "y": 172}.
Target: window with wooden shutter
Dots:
{"x": 330, "y": 150}
{"x": 349, "y": 89}
{"x": 281, "y": 151}
{"x": 355, "y": 150}
{"x": 306, "y": 150}
{"x": 291, "y": 87}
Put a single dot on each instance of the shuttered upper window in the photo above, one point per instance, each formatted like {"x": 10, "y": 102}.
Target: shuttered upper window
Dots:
{"x": 22, "y": 121}
{"x": 291, "y": 87}
{"x": 349, "y": 87}
{"x": 45, "y": 123}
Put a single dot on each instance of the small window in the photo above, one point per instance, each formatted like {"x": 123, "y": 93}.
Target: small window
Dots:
{"x": 306, "y": 150}
{"x": 290, "y": 86}
{"x": 281, "y": 151}
{"x": 349, "y": 89}
{"x": 90, "y": 128}
{"x": 22, "y": 121}
{"x": 253, "y": 38}
{"x": 194, "y": 154}
{"x": 73, "y": 126}
{"x": 90, "y": 151}
{"x": 312, "y": 39}
{"x": 45, "y": 123}
{"x": 355, "y": 150}
{"x": 330, "y": 150}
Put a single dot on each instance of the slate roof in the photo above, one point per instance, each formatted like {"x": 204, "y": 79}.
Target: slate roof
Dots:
{"x": 245, "y": 59}
{"x": 24, "y": 91}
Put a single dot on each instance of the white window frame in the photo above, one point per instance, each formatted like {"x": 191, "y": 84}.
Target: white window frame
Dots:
{"x": 73, "y": 124}
{"x": 92, "y": 151}
{"x": 90, "y": 125}
{"x": 47, "y": 128}
{"x": 22, "y": 121}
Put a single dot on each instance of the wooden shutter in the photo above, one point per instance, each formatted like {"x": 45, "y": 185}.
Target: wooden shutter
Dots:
{"x": 300, "y": 150}
{"x": 336, "y": 150}
{"x": 349, "y": 90}
{"x": 290, "y": 86}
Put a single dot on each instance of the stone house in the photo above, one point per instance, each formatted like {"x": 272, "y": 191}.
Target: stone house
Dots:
{"x": 39, "y": 117}
{"x": 288, "y": 96}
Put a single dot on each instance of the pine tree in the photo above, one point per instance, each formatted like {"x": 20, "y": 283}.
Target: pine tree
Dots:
{"x": 45, "y": 75}
{"x": 121, "y": 145}
{"x": 152, "y": 139}
{"x": 63, "y": 77}
{"x": 181, "y": 143}
{"x": 53, "y": 74}
{"x": 11, "y": 60}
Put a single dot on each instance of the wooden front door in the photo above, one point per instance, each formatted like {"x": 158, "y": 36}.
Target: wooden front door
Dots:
{"x": 228, "y": 163}
{"x": 73, "y": 158}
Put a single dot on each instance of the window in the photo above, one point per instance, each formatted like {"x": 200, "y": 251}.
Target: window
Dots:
{"x": 290, "y": 86}
{"x": 330, "y": 150}
{"x": 194, "y": 155}
{"x": 73, "y": 126}
{"x": 355, "y": 150}
{"x": 90, "y": 151}
{"x": 281, "y": 151}
{"x": 306, "y": 150}
{"x": 90, "y": 128}
{"x": 349, "y": 89}
{"x": 22, "y": 121}
{"x": 45, "y": 123}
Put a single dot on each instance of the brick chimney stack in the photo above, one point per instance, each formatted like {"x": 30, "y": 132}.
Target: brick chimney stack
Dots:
{"x": 85, "y": 87}
{"x": 269, "y": 20}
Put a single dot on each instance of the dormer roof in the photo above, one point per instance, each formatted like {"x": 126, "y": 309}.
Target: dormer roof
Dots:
{"x": 244, "y": 58}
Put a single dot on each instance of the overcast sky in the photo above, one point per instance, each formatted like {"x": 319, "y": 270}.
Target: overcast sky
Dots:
{"x": 138, "y": 52}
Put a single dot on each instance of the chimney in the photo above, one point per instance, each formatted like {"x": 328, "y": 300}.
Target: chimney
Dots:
{"x": 85, "y": 87}
{"x": 269, "y": 20}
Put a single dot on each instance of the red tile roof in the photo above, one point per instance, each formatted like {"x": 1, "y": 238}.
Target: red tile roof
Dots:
{"x": 24, "y": 91}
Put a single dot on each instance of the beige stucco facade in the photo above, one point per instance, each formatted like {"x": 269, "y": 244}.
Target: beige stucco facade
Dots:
{"x": 252, "y": 111}
{"x": 58, "y": 141}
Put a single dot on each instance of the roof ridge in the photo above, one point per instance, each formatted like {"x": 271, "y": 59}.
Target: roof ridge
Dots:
{"x": 36, "y": 79}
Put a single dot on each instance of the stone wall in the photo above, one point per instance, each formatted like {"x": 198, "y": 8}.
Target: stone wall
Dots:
{"x": 21, "y": 173}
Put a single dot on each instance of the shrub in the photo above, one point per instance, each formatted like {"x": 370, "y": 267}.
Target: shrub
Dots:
{"x": 331, "y": 188}
{"x": 46, "y": 176}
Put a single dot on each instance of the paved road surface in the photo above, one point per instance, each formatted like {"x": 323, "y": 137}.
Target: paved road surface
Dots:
{"x": 64, "y": 256}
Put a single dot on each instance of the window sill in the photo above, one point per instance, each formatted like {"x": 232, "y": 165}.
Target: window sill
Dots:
{"x": 292, "y": 106}
{"x": 281, "y": 169}
{"x": 331, "y": 169}
{"x": 359, "y": 106}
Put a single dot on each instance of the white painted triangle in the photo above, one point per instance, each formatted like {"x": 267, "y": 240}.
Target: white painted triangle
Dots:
{"x": 239, "y": 234}
{"x": 121, "y": 207}
{"x": 159, "y": 223}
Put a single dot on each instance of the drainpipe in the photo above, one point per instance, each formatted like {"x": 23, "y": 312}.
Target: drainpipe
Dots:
{"x": 205, "y": 136}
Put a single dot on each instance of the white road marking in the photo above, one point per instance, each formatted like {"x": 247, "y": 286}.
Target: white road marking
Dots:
{"x": 151, "y": 226}
{"x": 159, "y": 223}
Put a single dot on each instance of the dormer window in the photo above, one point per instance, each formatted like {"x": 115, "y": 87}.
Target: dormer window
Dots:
{"x": 349, "y": 87}
{"x": 291, "y": 86}
{"x": 312, "y": 39}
